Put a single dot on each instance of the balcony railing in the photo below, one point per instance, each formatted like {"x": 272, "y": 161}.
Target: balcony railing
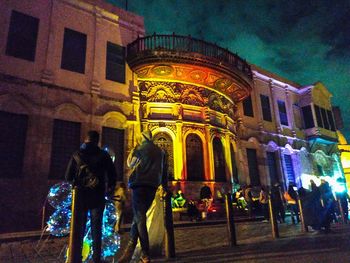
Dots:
{"x": 187, "y": 44}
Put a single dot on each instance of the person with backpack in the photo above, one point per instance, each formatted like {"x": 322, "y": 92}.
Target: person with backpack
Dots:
{"x": 147, "y": 162}
{"x": 91, "y": 170}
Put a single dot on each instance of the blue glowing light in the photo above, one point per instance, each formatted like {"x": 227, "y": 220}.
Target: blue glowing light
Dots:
{"x": 60, "y": 197}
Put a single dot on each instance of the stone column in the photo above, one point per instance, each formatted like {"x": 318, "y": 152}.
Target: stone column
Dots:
{"x": 179, "y": 145}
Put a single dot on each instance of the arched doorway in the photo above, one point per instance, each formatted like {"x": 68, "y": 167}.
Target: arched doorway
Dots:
{"x": 164, "y": 141}
{"x": 219, "y": 161}
{"x": 194, "y": 158}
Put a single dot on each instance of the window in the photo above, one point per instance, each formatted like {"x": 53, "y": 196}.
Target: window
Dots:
{"x": 194, "y": 158}
{"x": 248, "y": 107}
{"x": 113, "y": 140}
{"x": 265, "y": 106}
{"x": 324, "y": 118}
{"x": 253, "y": 167}
{"x": 331, "y": 120}
{"x": 65, "y": 141}
{"x": 318, "y": 116}
{"x": 271, "y": 162}
{"x": 13, "y": 129}
{"x": 22, "y": 36}
{"x": 115, "y": 63}
{"x": 219, "y": 161}
{"x": 282, "y": 112}
{"x": 297, "y": 116}
{"x": 74, "y": 51}
{"x": 307, "y": 116}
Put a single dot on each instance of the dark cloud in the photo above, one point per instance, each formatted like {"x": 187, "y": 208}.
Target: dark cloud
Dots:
{"x": 304, "y": 41}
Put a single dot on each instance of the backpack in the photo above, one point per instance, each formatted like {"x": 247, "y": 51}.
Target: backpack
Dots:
{"x": 85, "y": 177}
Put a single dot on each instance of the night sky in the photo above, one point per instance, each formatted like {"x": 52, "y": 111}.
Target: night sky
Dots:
{"x": 303, "y": 40}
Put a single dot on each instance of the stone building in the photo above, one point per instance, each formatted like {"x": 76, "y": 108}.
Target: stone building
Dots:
{"x": 68, "y": 66}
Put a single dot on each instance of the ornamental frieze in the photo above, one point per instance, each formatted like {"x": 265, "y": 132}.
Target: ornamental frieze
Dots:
{"x": 221, "y": 82}
{"x": 154, "y": 125}
{"x": 170, "y": 92}
{"x": 192, "y": 129}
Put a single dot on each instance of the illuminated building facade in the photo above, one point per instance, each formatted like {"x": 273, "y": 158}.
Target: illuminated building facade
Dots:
{"x": 220, "y": 120}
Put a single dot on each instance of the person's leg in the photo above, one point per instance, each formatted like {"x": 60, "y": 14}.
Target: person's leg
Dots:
{"x": 96, "y": 232}
{"x": 143, "y": 200}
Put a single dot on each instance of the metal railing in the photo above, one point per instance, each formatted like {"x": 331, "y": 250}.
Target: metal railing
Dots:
{"x": 187, "y": 44}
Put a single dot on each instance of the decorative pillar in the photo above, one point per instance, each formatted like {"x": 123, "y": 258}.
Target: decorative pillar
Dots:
{"x": 227, "y": 152}
{"x": 179, "y": 145}
{"x": 208, "y": 154}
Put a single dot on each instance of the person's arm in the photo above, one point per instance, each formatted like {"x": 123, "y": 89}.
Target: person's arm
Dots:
{"x": 132, "y": 159}
{"x": 71, "y": 170}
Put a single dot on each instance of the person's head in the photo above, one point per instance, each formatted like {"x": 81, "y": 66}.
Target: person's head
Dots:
{"x": 122, "y": 185}
{"x": 92, "y": 137}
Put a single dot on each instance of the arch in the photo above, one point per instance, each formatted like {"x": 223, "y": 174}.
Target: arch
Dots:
{"x": 272, "y": 146}
{"x": 288, "y": 149}
{"x": 164, "y": 140}
{"x": 68, "y": 111}
{"x": 17, "y": 103}
{"x": 254, "y": 141}
{"x": 219, "y": 160}
{"x": 114, "y": 119}
{"x": 194, "y": 158}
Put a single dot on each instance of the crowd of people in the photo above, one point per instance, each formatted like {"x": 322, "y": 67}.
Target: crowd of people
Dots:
{"x": 92, "y": 170}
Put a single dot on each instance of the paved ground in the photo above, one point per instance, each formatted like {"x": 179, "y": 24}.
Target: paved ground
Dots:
{"x": 209, "y": 243}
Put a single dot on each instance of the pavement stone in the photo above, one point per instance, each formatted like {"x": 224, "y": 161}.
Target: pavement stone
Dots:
{"x": 209, "y": 243}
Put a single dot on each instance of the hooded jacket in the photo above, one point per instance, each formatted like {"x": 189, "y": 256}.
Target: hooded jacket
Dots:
{"x": 149, "y": 169}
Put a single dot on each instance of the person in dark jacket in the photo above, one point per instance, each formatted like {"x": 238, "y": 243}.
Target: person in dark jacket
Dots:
{"x": 92, "y": 197}
{"x": 148, "y": 164}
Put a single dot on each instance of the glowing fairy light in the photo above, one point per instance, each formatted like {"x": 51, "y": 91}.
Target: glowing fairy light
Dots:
{"x": 60, "y": 197}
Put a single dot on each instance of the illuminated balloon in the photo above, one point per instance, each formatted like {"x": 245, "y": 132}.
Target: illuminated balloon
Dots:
{"x": 60, "y": 195}
{"x": 59, "y": 222}
{"x": 110, "y": 245}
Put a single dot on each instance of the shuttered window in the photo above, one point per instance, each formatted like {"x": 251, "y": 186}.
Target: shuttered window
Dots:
{"x": 253, "y": 167}
{"x": 318, "y": 116}
{"x": 22, "y": 36}
{"x": 271, "y": 162}
{"x": 74, "y": 51}
{"x": 265, "y": 106}
{"x": 113, "y": 140}
{"x": 219, "y": 161}
{"x": 307, "y": 116}
{"x": 282, "y": 112}
{"x": 115, "y": 63}
{"x": 248, "y": 107}
{"x": 13, "y": 130}
{"x": 65, "y": 141}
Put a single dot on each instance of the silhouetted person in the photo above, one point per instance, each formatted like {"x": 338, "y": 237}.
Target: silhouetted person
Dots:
{"x": 87, "y": 169}
{"x": 147, "y": 162}
{"x": 277, "y": 202}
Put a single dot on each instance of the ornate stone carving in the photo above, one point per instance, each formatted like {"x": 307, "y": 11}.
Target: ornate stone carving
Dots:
{"x": 232, "y": 87}
{"x": 169, "y": 92}
{"x": 192, "y": 95}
